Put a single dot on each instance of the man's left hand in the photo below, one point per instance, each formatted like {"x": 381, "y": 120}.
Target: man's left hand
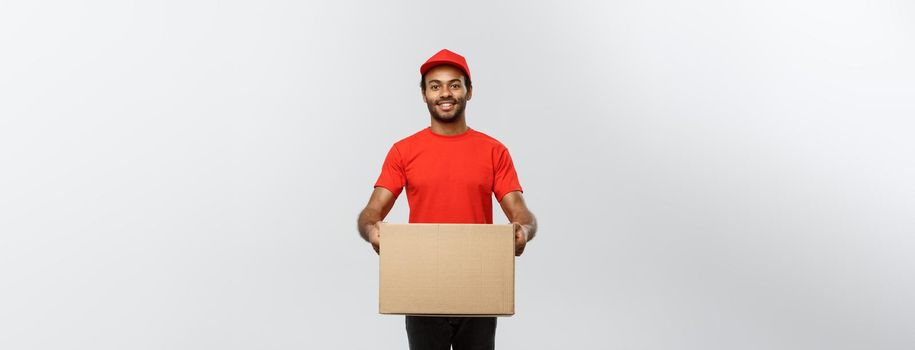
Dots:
{"x": 521, "y": 234}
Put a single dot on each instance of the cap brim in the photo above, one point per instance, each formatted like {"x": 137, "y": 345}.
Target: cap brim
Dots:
{"x": 429, "y": 65}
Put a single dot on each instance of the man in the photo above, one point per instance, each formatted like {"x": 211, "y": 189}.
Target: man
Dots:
{"x": 450, "y": 173}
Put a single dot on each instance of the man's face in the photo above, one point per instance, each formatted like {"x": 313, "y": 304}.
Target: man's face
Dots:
{"x": 445, "y": 94}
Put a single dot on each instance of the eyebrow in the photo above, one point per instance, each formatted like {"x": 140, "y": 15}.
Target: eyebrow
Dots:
{"x": 439, "y": 81}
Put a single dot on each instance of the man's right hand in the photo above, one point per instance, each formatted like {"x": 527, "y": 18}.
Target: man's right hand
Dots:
{"x": 369, "y": 219}
{"x": 374, "y": 233}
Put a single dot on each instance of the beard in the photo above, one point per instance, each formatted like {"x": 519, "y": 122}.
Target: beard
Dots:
{"x": 457, "y": 113}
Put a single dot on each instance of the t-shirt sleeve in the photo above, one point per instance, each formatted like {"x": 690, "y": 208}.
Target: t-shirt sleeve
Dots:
{"x": 505, "y": 179}
{"x": 392, "y": 174}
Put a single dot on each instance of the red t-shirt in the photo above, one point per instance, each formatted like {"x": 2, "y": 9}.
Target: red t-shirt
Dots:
{"x": 449, "y": 179}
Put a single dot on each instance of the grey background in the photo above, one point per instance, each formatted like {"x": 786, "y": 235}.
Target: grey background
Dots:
{"x": 707, "y": 174}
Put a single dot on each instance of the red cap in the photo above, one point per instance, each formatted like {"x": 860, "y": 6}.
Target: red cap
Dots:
{"x": 445, "y": 57}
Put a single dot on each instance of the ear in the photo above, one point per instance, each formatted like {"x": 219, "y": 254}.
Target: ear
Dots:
{"x": 469, "y": 93}
{"x": 423, "y": 93}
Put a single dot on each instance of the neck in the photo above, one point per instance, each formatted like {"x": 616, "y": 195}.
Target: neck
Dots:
{"x": 457, "y": 127}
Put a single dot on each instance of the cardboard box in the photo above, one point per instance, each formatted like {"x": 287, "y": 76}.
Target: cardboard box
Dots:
{"x": 447, "y": 269}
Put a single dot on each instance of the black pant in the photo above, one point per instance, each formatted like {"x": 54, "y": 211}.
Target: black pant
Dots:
{"x": 440, "y": 333}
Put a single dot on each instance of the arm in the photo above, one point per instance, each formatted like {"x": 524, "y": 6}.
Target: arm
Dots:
{"x": 379, "y": 205}
{"x": 525, "y": 223}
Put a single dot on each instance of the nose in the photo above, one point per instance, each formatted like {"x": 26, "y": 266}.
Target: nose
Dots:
{"x": 444, "y": 92}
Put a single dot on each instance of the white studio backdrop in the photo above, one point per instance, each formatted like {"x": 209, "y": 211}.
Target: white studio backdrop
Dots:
{"x": 707, "y": 174}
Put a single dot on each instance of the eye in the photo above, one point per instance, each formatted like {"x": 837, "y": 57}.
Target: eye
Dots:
{"x": 455, "y": 86}
{"x": 434, "y": 87}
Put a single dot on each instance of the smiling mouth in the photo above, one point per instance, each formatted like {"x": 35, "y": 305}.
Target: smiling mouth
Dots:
{"x": 446, "y": 105}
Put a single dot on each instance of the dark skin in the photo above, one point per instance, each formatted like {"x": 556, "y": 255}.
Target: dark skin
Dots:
{"x": 446, "y": 95}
